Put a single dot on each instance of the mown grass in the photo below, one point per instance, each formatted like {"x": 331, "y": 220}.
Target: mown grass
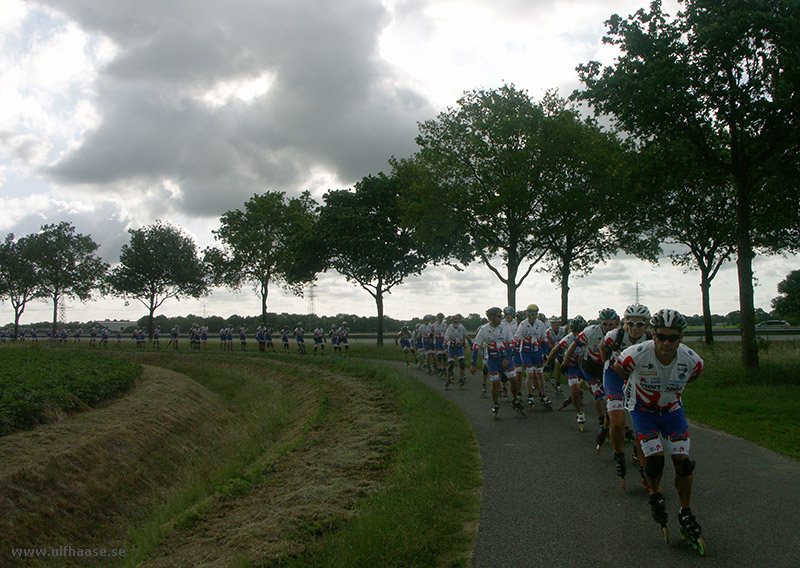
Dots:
{"x": 37, "y": 384}
{"x": 760, "y": 406}
{"x": 428, "y": 511}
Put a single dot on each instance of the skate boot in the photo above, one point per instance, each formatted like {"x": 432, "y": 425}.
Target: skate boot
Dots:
{"x": 659, "y": 509}
{"x": 620, "y": 468}
{"x": 505, "y": 393}
{"x": 518, "y": 406}
{"x": 483, "y": 391}
{"x": 495, "y": 410}
{"x": 545, "y": 400}
{"x": 566, "y": 402}
{"x": 602, "y": 435}
{"x": 580, "y": 418}
{"x": 630, "y": 435}
{"x": 530, "y": 401}
{"x": 447, "y": 384}
{"x": 690, "y": 531}
{"x": 461, "y": 383}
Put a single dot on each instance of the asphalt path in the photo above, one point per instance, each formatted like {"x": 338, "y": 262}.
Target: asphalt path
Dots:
{"x": 549, "y": 500}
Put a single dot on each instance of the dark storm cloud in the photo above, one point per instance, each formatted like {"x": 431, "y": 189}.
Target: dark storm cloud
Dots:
{"x": 333, "y": 104}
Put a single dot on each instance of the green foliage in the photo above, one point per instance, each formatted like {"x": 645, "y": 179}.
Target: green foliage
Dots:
{"x": 159, "y": 263}
{"x": 787, "y": 305}
{"x": 18, "y": 278}
{"x": 66, "y": 264}
{"x": 365, "y": 241}
{"x": 36, "y": 383}
{"x": 262, "y": 244}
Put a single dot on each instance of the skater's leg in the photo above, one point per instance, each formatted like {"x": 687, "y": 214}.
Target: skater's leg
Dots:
{"x": 684, "y": 479}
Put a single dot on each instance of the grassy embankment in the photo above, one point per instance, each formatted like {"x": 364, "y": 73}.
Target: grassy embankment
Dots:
{"x": 399, "y": 488}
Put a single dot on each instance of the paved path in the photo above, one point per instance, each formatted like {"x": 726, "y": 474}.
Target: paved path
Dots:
{"x": 549, "y": 500}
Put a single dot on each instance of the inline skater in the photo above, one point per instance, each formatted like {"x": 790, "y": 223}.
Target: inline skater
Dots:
{"x": 298, "y": 337}
{"x": 510, "y": 320}
{"x": 633, "y": 331}
{"x": 455, "y": 337}
{"x": 344, "y": 333}
{"x": 657, "y": 372}
{"x": 403, "y": 338}
{"x": 592, "y": 363}
{"x": 334, "y": 335}
{"x": 427, "y": 341}
{"x": 261, "y": 338}
{"x": 285, "y": 338}
{"x": 438, "y": 329}
{"x": 268, "y": 337}
{"x": 498, "y": 340}
{"x": 530, "y": 334}
{"x": 555, "y": 333}
{"x": 319, "y": 339}
{"x": 156, "y": 336}
{"x": 573, "y": 367}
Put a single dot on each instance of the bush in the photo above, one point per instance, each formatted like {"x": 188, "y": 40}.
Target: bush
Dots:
{"x": 36, "y": 384}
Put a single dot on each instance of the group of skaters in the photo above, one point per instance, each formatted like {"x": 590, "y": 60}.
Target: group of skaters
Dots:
{"x": 633, "y": 366}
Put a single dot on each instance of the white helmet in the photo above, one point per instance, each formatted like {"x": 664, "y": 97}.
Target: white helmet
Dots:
{"x": 668, "y": 318}
{"x": 637, "y": 311}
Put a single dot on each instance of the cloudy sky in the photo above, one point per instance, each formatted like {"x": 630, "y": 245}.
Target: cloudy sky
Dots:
{"x": 115, "y": 114}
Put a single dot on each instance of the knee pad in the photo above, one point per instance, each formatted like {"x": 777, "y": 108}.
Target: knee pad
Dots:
{"x": 684, "y": 468}
{"x": 654, "y": 466}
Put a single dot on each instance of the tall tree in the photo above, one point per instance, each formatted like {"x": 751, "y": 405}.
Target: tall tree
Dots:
{"x": 483, "y": 157}
{"x": 724, "y": 77}
{"x": 691, "y": 206}
{"x": 17, "y": 275}
{"x": 261, "y": 244}
{"x": 159, "y": 263}
{"x": 587, "y": 213}
{"x": 66, "y": 264}
{"x": 365, "y": 241}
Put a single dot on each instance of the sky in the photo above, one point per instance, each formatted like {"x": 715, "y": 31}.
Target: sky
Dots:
{"x": 116, "y": 114}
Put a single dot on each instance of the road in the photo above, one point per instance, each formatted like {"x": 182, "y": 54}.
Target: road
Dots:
{"x": 549, "y": 500}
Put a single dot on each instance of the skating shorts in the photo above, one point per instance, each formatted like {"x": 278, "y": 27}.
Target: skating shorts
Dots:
{"x": 574, "y": 376}
{"x": 438, "y": 346}
{"x": 614, "y": 386}
{"x": 672, "y": 426}
{"x": 405, "y": 344}
{"x": 455, "y": 352}
{"x": 427, "y": 346}
{"x": 532, "y": 362}
{"x": 496, "y": 366}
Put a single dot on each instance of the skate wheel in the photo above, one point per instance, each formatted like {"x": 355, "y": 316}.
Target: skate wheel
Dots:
{"x": 665, "y": 530}
{"x": 597, "y": 450}
{"x": 700, "y": 546}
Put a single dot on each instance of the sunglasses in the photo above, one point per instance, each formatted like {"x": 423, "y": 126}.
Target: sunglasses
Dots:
{"x": 636, "y": 324}
{"x": 672, "y": 338}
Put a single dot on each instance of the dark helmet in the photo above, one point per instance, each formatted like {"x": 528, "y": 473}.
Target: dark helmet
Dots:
{"x": 608, "y": 314}
{"x": 494, "y": 311}
{"x": 577, "y": 324}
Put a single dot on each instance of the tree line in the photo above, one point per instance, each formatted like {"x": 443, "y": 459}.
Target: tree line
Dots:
{"x": 703, "y": 156}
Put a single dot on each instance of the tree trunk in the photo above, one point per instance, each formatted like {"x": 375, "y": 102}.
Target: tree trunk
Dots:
{"x": 55, "y": 313}
{"x": 565, "y": 272}
{"x": 17, "y": 315}
{"x": 379, "y": 302}
{"x": 264, "y": 294}
{"x": 150, "y": 321}
{"x": 744, "y": 263}
{"x": 705, "y": 286}
{"x": 511, "y": 284}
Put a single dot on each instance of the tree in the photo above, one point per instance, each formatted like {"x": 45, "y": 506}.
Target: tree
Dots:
{"x": 159, "y": 263}
{"x": 66, "y": 264}
{"x": 261, "y": 244}
{"x": 17, "y": 275}
{"x": 689, "y": 206}
{"x": 483, "y": 158}
{"x": 787, "y": 305}
{"x": 587, "y": 214}
{"x": 722, "y": 76}
{"x": 364, "y": 240}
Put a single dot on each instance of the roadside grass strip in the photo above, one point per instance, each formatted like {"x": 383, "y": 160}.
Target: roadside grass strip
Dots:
{"x": 760, "y": 406}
